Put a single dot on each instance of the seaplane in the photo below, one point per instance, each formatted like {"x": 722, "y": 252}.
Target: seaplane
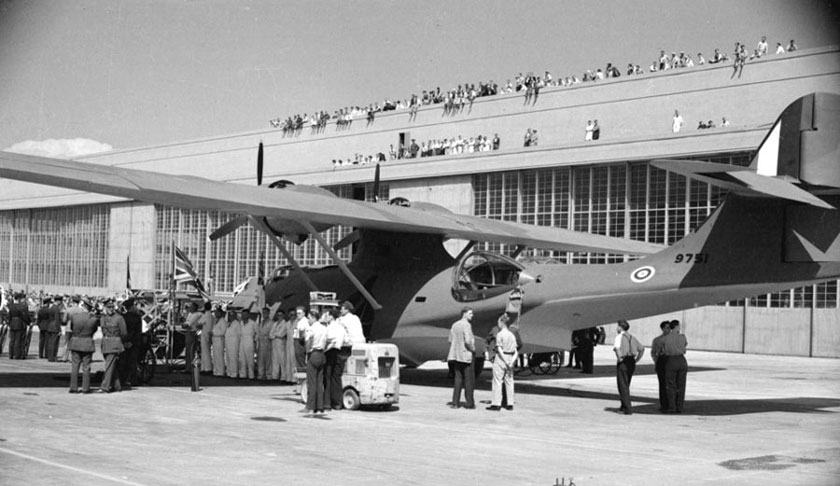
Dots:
{"x": 777, "y": 228}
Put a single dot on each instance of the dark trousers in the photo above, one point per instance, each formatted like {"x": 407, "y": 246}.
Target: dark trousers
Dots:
{"x": 42, "y": 344}
{"x": 624, "y": 373}
{"x": 189, "y": 344}
{"x": 660, "y": 375}
{"x": 111, "y": 380}
{"x": 587, "y": 358}
{"x": 676, "y": 371}
{"x": 300, "y": 354}
{"x": 315, "y": 380}
{"x": 52, "y": 345}
{"x": 464, "y": 378}
{"x": 334, "y": 370}
{"x": 128, "y": 365}
{"x": 17, "y": 344}
{"x": 78, "y": 358}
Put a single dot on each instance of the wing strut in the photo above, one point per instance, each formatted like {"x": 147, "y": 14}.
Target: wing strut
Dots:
{"x": 347, "y": 273}
{"x": 279, "y": 244}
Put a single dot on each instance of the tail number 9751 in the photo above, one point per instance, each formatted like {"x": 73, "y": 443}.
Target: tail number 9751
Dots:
{"x": 695, "y": 258}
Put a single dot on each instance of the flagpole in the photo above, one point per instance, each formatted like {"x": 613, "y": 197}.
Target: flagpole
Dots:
{"x": 170, "y": 329}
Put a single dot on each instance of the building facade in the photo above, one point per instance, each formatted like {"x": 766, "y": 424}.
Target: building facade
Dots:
{"x": 65, "y": 241}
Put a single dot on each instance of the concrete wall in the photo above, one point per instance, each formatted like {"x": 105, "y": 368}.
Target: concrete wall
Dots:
{"x": 774, "y": 331}
{"x": 132, "y": 233}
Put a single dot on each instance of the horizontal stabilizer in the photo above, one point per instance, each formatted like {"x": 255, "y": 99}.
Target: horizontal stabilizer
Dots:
{"x": 741, "y": 180}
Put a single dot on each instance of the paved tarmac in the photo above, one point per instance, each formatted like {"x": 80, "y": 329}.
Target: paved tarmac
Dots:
{"x": 749, "y": 420}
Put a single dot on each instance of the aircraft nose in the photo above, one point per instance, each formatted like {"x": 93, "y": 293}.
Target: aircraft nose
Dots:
{"x": 525, "y": 278}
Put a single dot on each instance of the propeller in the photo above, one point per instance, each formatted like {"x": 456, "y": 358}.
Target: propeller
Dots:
{"x": 228, "y": 227}
{"x": 260, "y": 164}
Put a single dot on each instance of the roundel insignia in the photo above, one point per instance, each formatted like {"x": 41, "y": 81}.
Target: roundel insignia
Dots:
{"x": 642, "y": 274}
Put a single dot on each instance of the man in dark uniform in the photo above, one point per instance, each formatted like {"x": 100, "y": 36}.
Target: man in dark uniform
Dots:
{"x": 586, "y": 349}
{"x": 54, "y": 331}
{"x": 83, "y": 325}
{"x": 676, "y": 368}
{"x": 657, "y": 352}
{"x": 43, "y": 321}
{"x": 132, "y": 342}
{"x": 19, "y": 320}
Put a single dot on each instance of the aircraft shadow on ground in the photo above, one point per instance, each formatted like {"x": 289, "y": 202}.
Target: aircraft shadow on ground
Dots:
{"x": 530, "y": 385}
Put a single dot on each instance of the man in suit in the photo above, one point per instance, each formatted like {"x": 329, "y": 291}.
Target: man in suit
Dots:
{"x": 83, "y": 325}
{"x": 461, "y": 357}
{"x": 43, "y": 321}
{"x": 54, "y": 330}
{"x": 19, "y": 320}
{"x": 132, "y": 343}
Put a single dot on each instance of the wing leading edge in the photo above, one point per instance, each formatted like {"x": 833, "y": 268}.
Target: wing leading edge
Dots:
{"x": 192, "y": 192}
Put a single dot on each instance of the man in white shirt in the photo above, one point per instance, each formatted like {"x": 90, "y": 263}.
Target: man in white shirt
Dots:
{"x": 337, "y": 339}
{"x": 678, "y": 122}
{"x": 503, "y": 363}
{"x": 299, "y": 327}
{"x": 351, "y": 324}
{"x": 628, "y": 351}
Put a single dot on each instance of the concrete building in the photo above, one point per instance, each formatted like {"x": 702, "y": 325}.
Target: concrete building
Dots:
{"x": 66, "y": 241}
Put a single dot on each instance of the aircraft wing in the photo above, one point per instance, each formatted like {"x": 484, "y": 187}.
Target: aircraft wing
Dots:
{"x": 741, "y": 180}
{"x": 192, "y": 192}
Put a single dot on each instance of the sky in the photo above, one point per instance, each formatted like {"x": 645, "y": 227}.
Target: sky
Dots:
{"x": 93, "y": 75}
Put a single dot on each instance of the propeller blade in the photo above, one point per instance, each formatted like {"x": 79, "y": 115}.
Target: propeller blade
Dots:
{"x": 228, "y": 227}
{"x": 376, "y": 184}
{"x": 260, "y": 164}
{"x": 347, "y": 240}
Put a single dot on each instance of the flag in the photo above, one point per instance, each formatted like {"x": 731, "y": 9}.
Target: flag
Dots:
{"x": 184, "y": 272}
{"x": 128, "y": 271}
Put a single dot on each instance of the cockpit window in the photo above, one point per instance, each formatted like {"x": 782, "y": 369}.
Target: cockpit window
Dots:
{"x": 481, "y": 275}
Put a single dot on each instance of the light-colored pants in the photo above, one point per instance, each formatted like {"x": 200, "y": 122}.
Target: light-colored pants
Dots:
{"x": 218, "y": 356}
{"x": 247, "y": 366}
{"x": 206, "y": 357}
{"x": 501, "y": 374}
{"x": 232, "y": 356}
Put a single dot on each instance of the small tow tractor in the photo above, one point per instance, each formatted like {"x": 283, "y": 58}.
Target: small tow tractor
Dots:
{"x": 371, "y": 374}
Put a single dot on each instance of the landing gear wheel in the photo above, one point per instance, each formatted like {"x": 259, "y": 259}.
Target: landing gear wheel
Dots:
{"x": 350, "y": 399}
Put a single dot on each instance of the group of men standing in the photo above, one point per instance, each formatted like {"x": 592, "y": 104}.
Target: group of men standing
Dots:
{"x": 668, "y": 353}
{"x": 503, "y": 345}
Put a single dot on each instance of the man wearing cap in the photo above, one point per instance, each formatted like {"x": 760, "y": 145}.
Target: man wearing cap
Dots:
{"x": 233, "y": 333}
{"x": 19, "y": 320}
{"x": 191, "y": 327}
{"x": 132, "y": 343}
{"x": 43, "y": 317}
{"x": 676, "y": 368}
{"x": 206, "y": 325}
{"x": 657, "y": 352}
{"x": 264, "y": 347}
{"x": 74, "y": 307}
{"x": 113, "y": 334}
{"x": 628, "y": 350}
{"x": 54, "y": 329}
{"x": 247, "y": 366}
{"x": 219, "y": 329}
{"x": 82, "y": 325}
